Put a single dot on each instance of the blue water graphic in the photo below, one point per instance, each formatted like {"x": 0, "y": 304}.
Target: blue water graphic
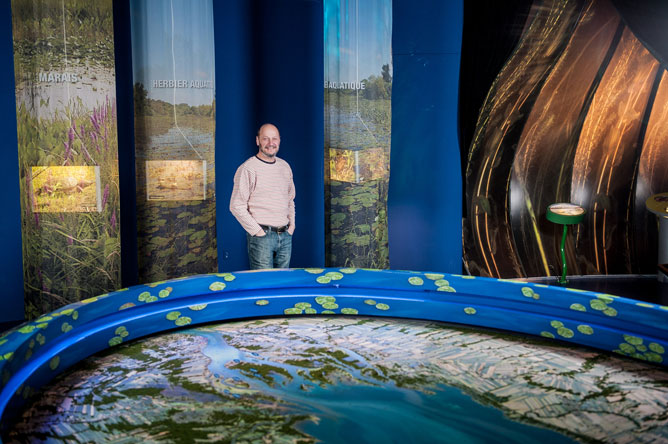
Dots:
{"x": 373, "y": 412}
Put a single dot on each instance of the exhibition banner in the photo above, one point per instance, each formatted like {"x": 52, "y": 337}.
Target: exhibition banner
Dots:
{"x": 358, "y": 114}
{"x": 174, "y": 104}
{"x": 68, "y": 150}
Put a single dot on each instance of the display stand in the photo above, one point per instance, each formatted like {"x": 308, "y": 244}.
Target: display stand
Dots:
{"x": 564, "y": 214}
{"x": 658, "y": 204}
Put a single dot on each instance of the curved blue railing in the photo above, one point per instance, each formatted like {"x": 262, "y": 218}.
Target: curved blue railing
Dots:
{"x": 33, "y": 353}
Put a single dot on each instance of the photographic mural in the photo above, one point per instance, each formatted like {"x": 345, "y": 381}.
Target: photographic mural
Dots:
{"x": 358, "y": 114}
{"x": 68, "y": 150}
{"x": 577, "y": 114}
{"x": 174, "y": 102}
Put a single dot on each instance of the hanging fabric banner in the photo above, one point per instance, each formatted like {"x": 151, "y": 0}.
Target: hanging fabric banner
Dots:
{"x": 68, "y": 150}
{"x": 174, "y": 98}
{"x": 358, "y": 89}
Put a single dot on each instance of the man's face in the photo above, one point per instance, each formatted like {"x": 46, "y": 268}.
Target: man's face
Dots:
{"x": 268, "y": 141}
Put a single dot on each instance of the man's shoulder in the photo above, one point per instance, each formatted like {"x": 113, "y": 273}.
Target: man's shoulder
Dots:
{"x": 282, "y": 163}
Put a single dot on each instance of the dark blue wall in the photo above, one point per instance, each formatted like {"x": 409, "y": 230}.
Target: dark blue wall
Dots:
{"x": 269, "y": 69}
{"x": 11, "y": 259}
{"x": 425, "y": 194}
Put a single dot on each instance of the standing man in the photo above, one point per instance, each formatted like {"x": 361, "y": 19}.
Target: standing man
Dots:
{"x": 263, "y": 201}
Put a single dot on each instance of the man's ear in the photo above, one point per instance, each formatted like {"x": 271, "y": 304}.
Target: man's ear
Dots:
{"x": 257, "y": 141}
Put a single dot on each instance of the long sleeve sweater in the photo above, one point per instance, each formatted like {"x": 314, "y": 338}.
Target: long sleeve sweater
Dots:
{"x": 264, "y": 193}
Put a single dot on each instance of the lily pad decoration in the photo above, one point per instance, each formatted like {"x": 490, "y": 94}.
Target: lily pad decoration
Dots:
{"x": 89, "y": 300}
{"x": 262, "y": 302}
{"x": 314, "y": 270}
{"x": 173, "y": 315}
{"x": 43, "y": 319}
{"x": 183, "y": 320}
{"x": 633, "y": 340}
{"x": 585, "y": 329}
{"x": 578, "y": 307}
{"x": 115, "y": 341}
{"x": 556, "y": 324}
{"x": 447, "y": 288}
{"x": 310, "y": 311}
{"x": 656, "y": 348}
{"x": 151, "y": 299}
{"x": 66, "y": 327}
{"x": 163, "y": 293}
{"x": 547, "y": 334}
{"x": 565, "y": 332}
{"x": 127, "y": 305}
{"x": 217, "y": 286}
{"x": 348, "y": 270}
{"x": 292, "y": 311}
{"x": 434, "y": 276}
{"x": 414, "y": 280}
{"x": 54, "y": 362}
{"x": 627, "y": 348}
{"x": 610, "y": 311}
{"x": 143, "y": 296}
{"x": 302, "y": 305}
{"x": 442, "y": 283}
{"x": 122, "y": 332}
{"x": 330, "y": 306}
{"x": 334, "y": 275}
{"x": 349, "y": 311}
{"x": 642, "y": 304}
{"x": 470, "y": 311}
{"x": 197, "y": 307}
{"x": 323, "y": 299}
{"x": 26, "y": 329}
{"x": 329, "y": 312}
{"x": 323, "y": 279}
{"x": 381, "y": 306}
{"x": 527, "y": 292}
{"x": 369, "y": 302}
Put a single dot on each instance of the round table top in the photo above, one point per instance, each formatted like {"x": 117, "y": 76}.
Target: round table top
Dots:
{"x": 658, "y": 204}
{"x": 565, "y": 213}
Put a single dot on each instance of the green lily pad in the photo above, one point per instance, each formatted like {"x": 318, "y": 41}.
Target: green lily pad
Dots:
{"x": 115, "y": 341}
{"x": 414, "y": 280}
{"x": 369, "y": 302}
{"x": 470, "y": 311}
{"x": 610, "y": 311}
{"x": 151, "y": 298}
{"x": 143, "y": 296}
{"x": 173, "y": 315}
{"x": 349, "y": 311}
{"x": 163, "y": 293}
{"x": 348, "y": 270}
{"x": 310, "y": 311}
{"x": 578, "y": 307}
{"x": 314, "y": 270}
{"x": 434, "y": 276}
{"x": 527, "y": 292}
{"x": 292, "y": 311}
{"x": 547, "y": 334}
{"x": 442, "y": 283}
{"x": 633, "y": 340}
{"x": 556, "y": 324}
{"x": 565, "y": 332}
{"x": 657, "y": 348}
{"x": 653, "y": 357}
{"x": 585, "y": 329}
{"x": 183, "y": 320}
{"x": 598, "y": 304}
{"x": 323, "y": 279}
{"x": 197, "y": 307}
{"x": 447, "y": 288}
{"x": 327, "y": 312}
{"x": 330, "y": 306}
{"x": 381, "y": 306}
{"x": 627, "y": 348}
{"x": 324, "y": 299}
{"x": 217, "y": 286}
{"x": 262, "y": 302}
{"x": 54, "y": 362}
{"x": 334, "y": 275}
{"x": 302, "y": 305}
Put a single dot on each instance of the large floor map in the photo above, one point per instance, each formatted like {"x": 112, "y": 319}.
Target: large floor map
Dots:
{"x": 349, "y": 379}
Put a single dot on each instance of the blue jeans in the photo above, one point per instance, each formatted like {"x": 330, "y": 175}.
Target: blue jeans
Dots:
{"x": 272, "y": 250}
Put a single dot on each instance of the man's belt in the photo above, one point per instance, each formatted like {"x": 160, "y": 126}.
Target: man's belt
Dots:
{"x": 276, "y": 229}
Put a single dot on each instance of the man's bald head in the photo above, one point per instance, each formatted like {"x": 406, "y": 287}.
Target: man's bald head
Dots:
{"x": 268, "y": 141}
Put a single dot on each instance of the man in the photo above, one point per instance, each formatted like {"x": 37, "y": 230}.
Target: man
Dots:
{"x": 263, "y": 201}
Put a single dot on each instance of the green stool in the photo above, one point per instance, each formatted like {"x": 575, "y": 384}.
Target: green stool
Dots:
{"x": 565, "y": 214}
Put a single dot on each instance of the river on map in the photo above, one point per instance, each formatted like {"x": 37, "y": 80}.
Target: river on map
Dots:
{"x": 349, "y": 412}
